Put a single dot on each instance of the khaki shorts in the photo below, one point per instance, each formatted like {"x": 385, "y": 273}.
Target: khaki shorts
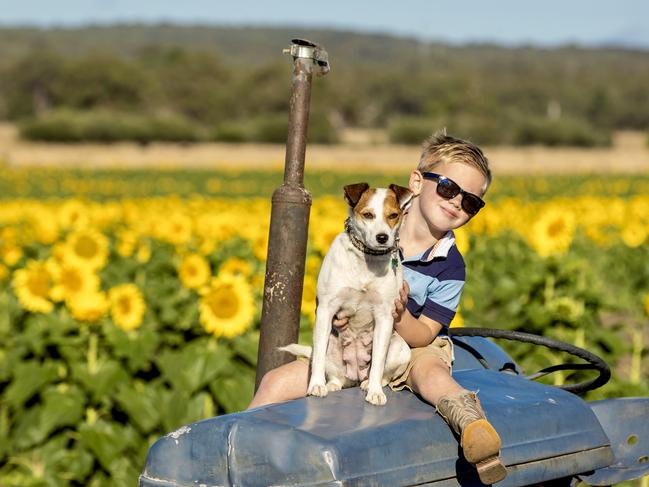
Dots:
{"x": 441, "y": 348}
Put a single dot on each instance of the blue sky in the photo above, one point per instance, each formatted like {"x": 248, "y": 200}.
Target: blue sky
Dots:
{"x": 510, "y": 22}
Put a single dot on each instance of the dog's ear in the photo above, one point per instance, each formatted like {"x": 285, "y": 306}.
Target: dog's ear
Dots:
{"x": 353, "y": 192}
{"x": 404, "y": 196}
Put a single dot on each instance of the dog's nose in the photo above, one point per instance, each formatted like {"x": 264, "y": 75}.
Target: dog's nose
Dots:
{"x": 382, "y": 238}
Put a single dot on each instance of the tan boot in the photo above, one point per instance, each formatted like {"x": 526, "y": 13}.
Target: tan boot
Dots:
{"x": 479, "y": 440}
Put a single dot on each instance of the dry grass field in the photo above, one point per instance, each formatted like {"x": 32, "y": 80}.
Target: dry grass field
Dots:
{"x": 359, "y": 150}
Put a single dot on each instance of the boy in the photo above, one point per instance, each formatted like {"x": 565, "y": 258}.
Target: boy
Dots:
{"x": 448, "y": 184}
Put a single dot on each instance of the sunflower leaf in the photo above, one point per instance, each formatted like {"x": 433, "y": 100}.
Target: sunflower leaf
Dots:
{"x": 107, "y": 440}
{"x": 233, "y": 389}
{"x": 103, "y": 380}
{"x": 246, "y": 346}
{"x": 62, "y": 406}
{"x": 195, "y": 365}
{"x": 140, "y": 401}
{"x": 137, "y": 347}
{"x": 29, "y": 378}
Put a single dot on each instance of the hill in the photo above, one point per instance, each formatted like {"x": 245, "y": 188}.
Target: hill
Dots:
{"x": 231, "y": 84}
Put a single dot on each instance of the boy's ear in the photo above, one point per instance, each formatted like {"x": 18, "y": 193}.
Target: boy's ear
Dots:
{"x": 404, "y": 196}
{"x": 415, "y": 182}
{"x": 353, "y": 192}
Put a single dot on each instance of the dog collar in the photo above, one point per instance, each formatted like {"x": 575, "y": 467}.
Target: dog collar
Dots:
{"x": 358, "y": 243}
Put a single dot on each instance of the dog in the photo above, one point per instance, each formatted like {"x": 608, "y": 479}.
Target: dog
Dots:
{"x": 360, "y": 278}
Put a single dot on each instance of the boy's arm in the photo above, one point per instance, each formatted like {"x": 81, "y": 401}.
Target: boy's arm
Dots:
{"x": 417, "y": 332}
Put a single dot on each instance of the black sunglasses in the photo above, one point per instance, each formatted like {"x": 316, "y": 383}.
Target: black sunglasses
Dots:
{"x": 449, "y": 189}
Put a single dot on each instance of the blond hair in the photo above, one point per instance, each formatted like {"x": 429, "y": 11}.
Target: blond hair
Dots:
{"x": 441, "y": 148}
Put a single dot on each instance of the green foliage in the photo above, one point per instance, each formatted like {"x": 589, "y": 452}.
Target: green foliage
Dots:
{"x": 560, "y": 132}
{"x": 81, "y": 403}
{"x": 227, "y": 80}
{"x": 410, "y": 130}
{"x": 109, "y": 126}
{"x": 566, "y": 297}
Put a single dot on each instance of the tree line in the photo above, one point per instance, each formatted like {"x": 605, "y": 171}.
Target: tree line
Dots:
{"x": 202, "y": 83}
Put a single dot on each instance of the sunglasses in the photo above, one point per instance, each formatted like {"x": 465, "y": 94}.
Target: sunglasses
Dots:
{"x": 449, "y": 189}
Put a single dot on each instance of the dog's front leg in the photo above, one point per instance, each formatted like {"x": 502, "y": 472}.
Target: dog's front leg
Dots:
{"x": 382, "y": 334}
{"x": 321, "y": 331}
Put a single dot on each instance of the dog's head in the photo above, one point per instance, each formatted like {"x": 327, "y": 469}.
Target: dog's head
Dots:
{"x": 377, "y": 213}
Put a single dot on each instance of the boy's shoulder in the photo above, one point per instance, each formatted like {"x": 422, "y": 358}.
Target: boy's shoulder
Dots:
{"x": 449, "y": 266}
{"x": 454, "y": 266}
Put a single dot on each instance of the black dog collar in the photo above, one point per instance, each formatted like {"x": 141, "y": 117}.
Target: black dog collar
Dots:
{"x": 358, "y": 243}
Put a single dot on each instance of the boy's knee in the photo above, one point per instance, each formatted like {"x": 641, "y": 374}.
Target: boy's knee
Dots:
{"x": 428, "y": 372}
{"x": 285, "y": 382}
{"x": 272, "y": 381}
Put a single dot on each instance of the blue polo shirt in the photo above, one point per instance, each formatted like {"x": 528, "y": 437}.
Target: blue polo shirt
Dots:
{"x": 436, "y": 280}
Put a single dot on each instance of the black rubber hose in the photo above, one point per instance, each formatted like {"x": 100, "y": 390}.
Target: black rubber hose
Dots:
{"x": 596, "y": 362}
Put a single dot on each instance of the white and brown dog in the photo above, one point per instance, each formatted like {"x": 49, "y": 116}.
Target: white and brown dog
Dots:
{"x": 360, "y": 278}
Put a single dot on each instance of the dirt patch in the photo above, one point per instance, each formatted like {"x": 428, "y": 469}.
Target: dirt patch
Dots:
{"x": 359, "y": 151}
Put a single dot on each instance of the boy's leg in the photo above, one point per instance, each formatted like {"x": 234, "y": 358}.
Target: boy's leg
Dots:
{"x": 286, "y": 382}
{"x": 430, "y": 377}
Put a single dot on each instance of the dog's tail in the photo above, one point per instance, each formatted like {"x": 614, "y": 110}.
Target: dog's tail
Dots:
{"x": 297, "y": 350}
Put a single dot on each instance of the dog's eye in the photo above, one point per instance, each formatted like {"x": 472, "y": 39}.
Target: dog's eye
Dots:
{"x": 368, "y": 215}
{"x": 393, "y": 216}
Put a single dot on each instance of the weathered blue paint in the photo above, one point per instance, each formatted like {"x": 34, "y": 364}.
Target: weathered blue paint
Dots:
{"x": 342, "y": 440}
{"x": 626, "y": 422}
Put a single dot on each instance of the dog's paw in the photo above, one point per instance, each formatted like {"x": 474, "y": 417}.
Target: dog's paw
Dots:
{"x": 365, "y": 384}
{"x": 376, "y": 397}
{"x": 319, "y": 390}
{"x": 333, "y": 386}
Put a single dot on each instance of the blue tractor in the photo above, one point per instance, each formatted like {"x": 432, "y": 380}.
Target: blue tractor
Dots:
{"x": 550, "y": 435}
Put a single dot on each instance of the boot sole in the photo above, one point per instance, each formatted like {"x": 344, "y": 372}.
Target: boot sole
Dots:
{"x": 481, "y": 447}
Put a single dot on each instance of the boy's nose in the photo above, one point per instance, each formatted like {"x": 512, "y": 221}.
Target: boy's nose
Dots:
{"x": 382, "y": 238}
{"x": 457, "y": 200}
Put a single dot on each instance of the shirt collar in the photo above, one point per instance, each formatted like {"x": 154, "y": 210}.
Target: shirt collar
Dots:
{"x": 439, "y": 250}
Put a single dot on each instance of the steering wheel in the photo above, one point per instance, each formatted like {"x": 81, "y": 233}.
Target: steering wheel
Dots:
{"x": 594, "y": 362}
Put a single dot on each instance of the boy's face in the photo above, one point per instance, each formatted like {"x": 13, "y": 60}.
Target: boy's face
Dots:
{"x": 446, "y": 214}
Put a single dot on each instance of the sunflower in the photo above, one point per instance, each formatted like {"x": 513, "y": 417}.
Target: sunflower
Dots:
{"x": 646, "y": 304}
{"x": 633, "y": 234}
{"x": 260, "y": 245}
{"x": 458, "y": 320}
{"x": 312, "y": 265}
{"x": 126, "y": 306}
{"x": 86, "y": 248}
{"x": 44, "y": 227}
{"x": 176, "y": 229}
{"x": 88, "y": 306}
{"x": 323, "y": 232}
{"x": 567, "y": 308}
{"x": 462, "y": 240}
{"x": 236, "y": 266}
{"x": 72, "y": 213}
{"x": 32, "y": 285}
{"x": 227, "y": 307}
{"x": 70, "y": 280}
{"x": 126, "y": 242}
{"x": 10, "y": 253}
{"x": 194, "y": 271}
{"x": 309, "y": 297}
{"x": 143, "y": 252}
{"x": 553, "y": 232}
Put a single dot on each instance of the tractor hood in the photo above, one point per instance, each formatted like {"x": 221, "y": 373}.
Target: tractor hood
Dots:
{"x": 547, "y": 433}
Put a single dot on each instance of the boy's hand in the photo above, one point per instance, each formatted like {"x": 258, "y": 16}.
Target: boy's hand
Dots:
{"x": 400, "y": 302}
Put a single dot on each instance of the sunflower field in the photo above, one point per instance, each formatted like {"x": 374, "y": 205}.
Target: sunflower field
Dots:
{"x": 131, "y": 300}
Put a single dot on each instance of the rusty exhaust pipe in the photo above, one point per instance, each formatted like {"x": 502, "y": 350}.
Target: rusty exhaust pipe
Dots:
{"x": 289, "y": 220}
